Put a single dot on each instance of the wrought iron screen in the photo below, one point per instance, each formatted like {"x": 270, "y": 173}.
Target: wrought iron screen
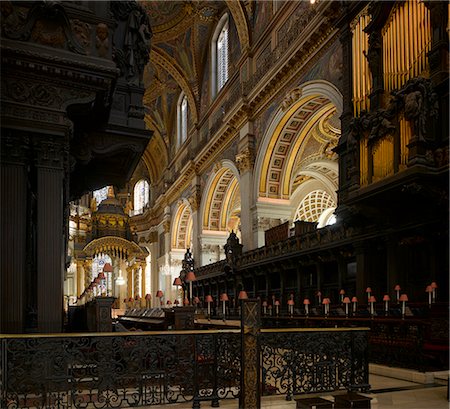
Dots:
{"x": 305, "y": 361}
{"x": 143, "y": 369}
{"x": 116, "y": 371}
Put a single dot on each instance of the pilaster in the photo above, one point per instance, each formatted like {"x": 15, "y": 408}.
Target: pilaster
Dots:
{"x": 50, "y": 158}
{"x": 13, "y": 236}
{"x": 245, "y": 161}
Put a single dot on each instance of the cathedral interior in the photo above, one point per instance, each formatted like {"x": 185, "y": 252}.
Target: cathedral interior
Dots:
{"x": 180, "y": 154}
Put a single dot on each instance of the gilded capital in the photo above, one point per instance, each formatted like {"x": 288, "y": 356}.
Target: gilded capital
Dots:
{"x": 166, "y": 226}
{"x": 245, "y": 160}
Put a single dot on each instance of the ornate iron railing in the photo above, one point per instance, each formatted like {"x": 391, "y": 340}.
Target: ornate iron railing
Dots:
{"x": 113, "y": 370}
{"x": 118, "y": 370}
{"x": 297, "y": 361}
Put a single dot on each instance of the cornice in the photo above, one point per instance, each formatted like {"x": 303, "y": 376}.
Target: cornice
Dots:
{"x": 23, "y": 54}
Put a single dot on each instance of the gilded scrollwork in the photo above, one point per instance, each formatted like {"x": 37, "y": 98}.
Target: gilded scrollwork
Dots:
{"x": 290, "y": 99}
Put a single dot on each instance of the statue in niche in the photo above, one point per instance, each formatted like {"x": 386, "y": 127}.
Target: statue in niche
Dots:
{"x": 419, "y": 102}
{"x": 373, "y": 56}
{"x": 101, "y": 40}
{"x": 131, "y": 49}
{"x": 137, "y": 44}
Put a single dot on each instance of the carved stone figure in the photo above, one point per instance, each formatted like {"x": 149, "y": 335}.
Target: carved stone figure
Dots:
{"x": 373, "y": 56}
{"x": 419, "y": 102}
{"x": 101, "y": 40}
{"x": 132, "y": 51}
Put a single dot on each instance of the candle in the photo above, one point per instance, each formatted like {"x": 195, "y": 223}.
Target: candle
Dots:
{"x": 429, "y": 290}
{"x": 341, "y": 295}
{"x": 433, "y": 287}
{"x": 397, "y": 289}
{"x": 291, "y": 307}
{"x": 368, "y": 291}
{"x": 403, "y": 298}
{"x": 264, "y": 304}
{"x": 355, "y": 302}
{"x": 223, "y": 298}
{"x": 386, "y": 300}
{"x": 326, "y": 302}
{"x": 306, "y": 303}
{"x": 319, "y": 294}
{"x": 346, "y": 301}
{"x": 270, "y": 310}
{"x": 372, "y": 301}
{"x": 277, "y": 306}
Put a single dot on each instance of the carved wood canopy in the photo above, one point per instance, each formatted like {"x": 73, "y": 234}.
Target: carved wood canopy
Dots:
{"x": 115, "y": 246}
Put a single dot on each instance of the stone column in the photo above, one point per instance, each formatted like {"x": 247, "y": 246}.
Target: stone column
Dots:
{"x": 129, "y": 282}
{"x": 13, "y": 233}
{"x": 87, "y": 272}
{"x": 80, "y": 277}
{"x": 143, "y": 280}
{"x": 245, "y": 161}
{"x": 194, "y": 201}
{"x": 49, "y": 163}
{"x": 154, "y": 273}
{"x": 137, "y": 279}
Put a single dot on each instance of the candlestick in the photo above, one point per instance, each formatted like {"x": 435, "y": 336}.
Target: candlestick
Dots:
{"x": 397, "y": 289}
{"x": 354, "y": 301}
{"x": 433, "y": 287}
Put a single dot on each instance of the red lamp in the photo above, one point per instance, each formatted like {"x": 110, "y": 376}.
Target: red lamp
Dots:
{"x": 190, "y": 277}
{"x": 243, "y": 295}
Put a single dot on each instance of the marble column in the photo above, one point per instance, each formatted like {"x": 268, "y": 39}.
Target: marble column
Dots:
{"x": 13, "y": 232}
{"x": 50, "y": 232}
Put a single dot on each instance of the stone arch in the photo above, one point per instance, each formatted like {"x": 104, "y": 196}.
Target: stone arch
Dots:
{"x": 301, "y": 130}
{"x": 182, "y": 226}
{"x": 222, "y": 195}
{"x": 165, "y": 61}
{"x": 240, "y": 20}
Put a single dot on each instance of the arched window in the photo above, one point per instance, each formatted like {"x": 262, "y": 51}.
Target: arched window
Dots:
{"x": 219, "y": 56}
{"x": 141, "y": 196}
{"x": 317, "y": 206}
{"x": 182, "y": 114}
{"x": 100, "y": 194}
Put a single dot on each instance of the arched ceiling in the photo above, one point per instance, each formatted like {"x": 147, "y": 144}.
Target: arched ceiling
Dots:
{"x": 180, "y": 46}
{"x": 180, "y": 30}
